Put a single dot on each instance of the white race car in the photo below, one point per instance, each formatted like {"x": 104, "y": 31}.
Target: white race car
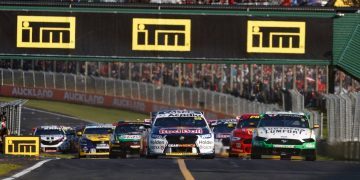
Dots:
{"x": 284, "y": 134}
{"x": 180, "y": 133}
{"x": 53, "y": 138}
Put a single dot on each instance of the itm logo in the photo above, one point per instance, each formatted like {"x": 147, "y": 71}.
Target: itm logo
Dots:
{"x": 22, "y": 145}
{"x": 161, "y": 34}
{"x": 276, "y": 37}
{"x": 45, "y": 32}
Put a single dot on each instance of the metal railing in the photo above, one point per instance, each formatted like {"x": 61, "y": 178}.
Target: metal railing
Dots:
{"x": 168, "y": 95}
{"x": 12, "y": 113}
{"x": 343, "y": 117}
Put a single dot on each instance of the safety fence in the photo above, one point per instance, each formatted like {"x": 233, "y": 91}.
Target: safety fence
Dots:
{"x": 343, "y": 117}
{"x": 316, "y": 117}
{"x": 168, "y": 96}
{"x": 11, "y": 111}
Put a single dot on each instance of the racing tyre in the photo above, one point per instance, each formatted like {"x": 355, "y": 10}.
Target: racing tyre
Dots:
{"x": 79, "y": 156}
{"x": 112, "y": 155}
{"x": 255, "y": 153}
{"x": 210, "y": 156}
{"x": 311, "y": 156}
{"x": 149, "y": 156}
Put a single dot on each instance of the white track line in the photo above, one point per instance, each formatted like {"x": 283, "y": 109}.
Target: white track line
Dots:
{"x": 56, "y": 114}
{"x": 25, "y": 171}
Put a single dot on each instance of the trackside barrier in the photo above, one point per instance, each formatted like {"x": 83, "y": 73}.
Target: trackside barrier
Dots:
{"x": 12, "y": 112}
{"x": 93, "y": 90}
{"x": 22, "y": 145}
{"x": 343, "y": 117}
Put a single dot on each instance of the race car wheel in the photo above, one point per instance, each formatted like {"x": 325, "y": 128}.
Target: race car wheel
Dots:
{"x": 211, "y": 156}
{"x": 149, "y": 156}
{"x": 112, "y": 155}
{"x": 311, "y": 156}
{"x": 255, "y": 154}
{"x": 123, "y": 155}
{"x": 79, "y": 156}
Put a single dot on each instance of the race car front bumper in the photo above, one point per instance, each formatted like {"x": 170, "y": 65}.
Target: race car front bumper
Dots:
{"x": 241, "y": 147}
{"x": 126, "y": 147}
{"x": 262, "y": 148}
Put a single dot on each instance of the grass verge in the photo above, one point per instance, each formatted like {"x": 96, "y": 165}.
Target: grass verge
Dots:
{"x": 5, "y": 168}
{"x": 96, "y": 114}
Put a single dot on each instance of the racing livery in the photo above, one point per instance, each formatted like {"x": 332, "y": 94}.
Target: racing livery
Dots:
{"x": 241, "y": 136}
{"x": 284, "y": 134}
{"x": 222, "y": 130}
{"x": 180, "y": 133}
{"x": 53, "y": 138}
{"x": 94, "y": 140}
{"x": 126, "y": 139}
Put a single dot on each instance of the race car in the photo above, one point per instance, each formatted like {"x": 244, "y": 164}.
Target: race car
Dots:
{"x": 222, "y": 130}
{"x": 126, "y": 139}
{"x": 180, "y": 133}
{"x": 284, "y": 135}
{"x": 241, "y": 136}
{"x": 53, "y": 138}
{"x": 94, "y": 140}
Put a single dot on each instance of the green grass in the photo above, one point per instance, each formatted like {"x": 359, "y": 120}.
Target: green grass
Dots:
{"x": 58, "y": 155}
{"x": 5, "y": 168}
{"x": 96, "y": 114}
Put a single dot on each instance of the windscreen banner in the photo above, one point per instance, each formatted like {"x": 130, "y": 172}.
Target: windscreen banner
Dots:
{"x": 177, "y": 36}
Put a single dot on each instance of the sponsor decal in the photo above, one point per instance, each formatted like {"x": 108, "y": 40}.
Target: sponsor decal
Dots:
{"x": 180, "y": 131}
{"x": 205, "y": 142}
{"x": 181, "y": 145}
{"x": 45, "y": 32}
{"x": 29, "y": 92}
{"x": 222, "y": 136}
{"x": 156, "y": 142}
{"x": 84, "y": 98}
{"x": 130, "y": 136}
{"x": 161, "y": 34}
{"x": 21, "y": 145}
{"x": 283, "y": 146}
{"x": 284, "y": 130}
{"x": 125, "y": 103}
{"x": 254, "y": 117}
{"x": 283, "y": 37}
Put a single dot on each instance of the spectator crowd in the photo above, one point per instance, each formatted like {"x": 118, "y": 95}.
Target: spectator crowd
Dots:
{"x": 263, "y": 83}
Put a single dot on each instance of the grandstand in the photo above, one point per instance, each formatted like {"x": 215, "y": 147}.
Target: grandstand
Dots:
{"x": 254, "y": 78}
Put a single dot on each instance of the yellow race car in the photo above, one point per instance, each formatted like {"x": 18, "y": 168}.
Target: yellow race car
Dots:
{"x": 94, "y": 140}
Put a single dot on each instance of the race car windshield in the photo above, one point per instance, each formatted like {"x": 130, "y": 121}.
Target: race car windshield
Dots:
{"x": 284, "y": 121}
{"x": 223, "y": 128}
{"x": 180, "y": 122}
{"x": 127, "y": 128}
{"x": 48, "y": 132}
{"x": 249, "y": 123}
{"x": 97, "y": 131}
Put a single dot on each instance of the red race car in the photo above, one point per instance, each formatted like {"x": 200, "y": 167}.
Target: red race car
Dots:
{"x": 241, "y": 136}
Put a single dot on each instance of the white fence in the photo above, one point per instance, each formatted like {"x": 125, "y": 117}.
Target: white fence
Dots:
{"x": 168, "y": 95}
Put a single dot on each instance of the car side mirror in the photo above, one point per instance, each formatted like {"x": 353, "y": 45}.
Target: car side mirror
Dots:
{"x": 79, "y": 133}
{"x": 316, "y": 126}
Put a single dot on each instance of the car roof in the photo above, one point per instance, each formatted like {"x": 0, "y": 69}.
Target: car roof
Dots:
{"x": 100, "y": 126}
{"x": 285, "y": 113}
{"x": 50, "y": 127}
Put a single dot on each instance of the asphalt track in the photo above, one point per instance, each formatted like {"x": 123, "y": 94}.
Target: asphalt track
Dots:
{"x": 174, "y": 168}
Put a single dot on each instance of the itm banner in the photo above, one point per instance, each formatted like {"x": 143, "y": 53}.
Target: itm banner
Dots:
{"x": 22, "y": 145}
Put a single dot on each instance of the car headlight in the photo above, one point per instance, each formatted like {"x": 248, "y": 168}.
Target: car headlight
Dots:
{"x": 205, "y": 136}
{"x": 235, "y": 138}
{"x": 258, "y": 138}
{"x": 156, "y": 136}
{"x": 309, "y": 140}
